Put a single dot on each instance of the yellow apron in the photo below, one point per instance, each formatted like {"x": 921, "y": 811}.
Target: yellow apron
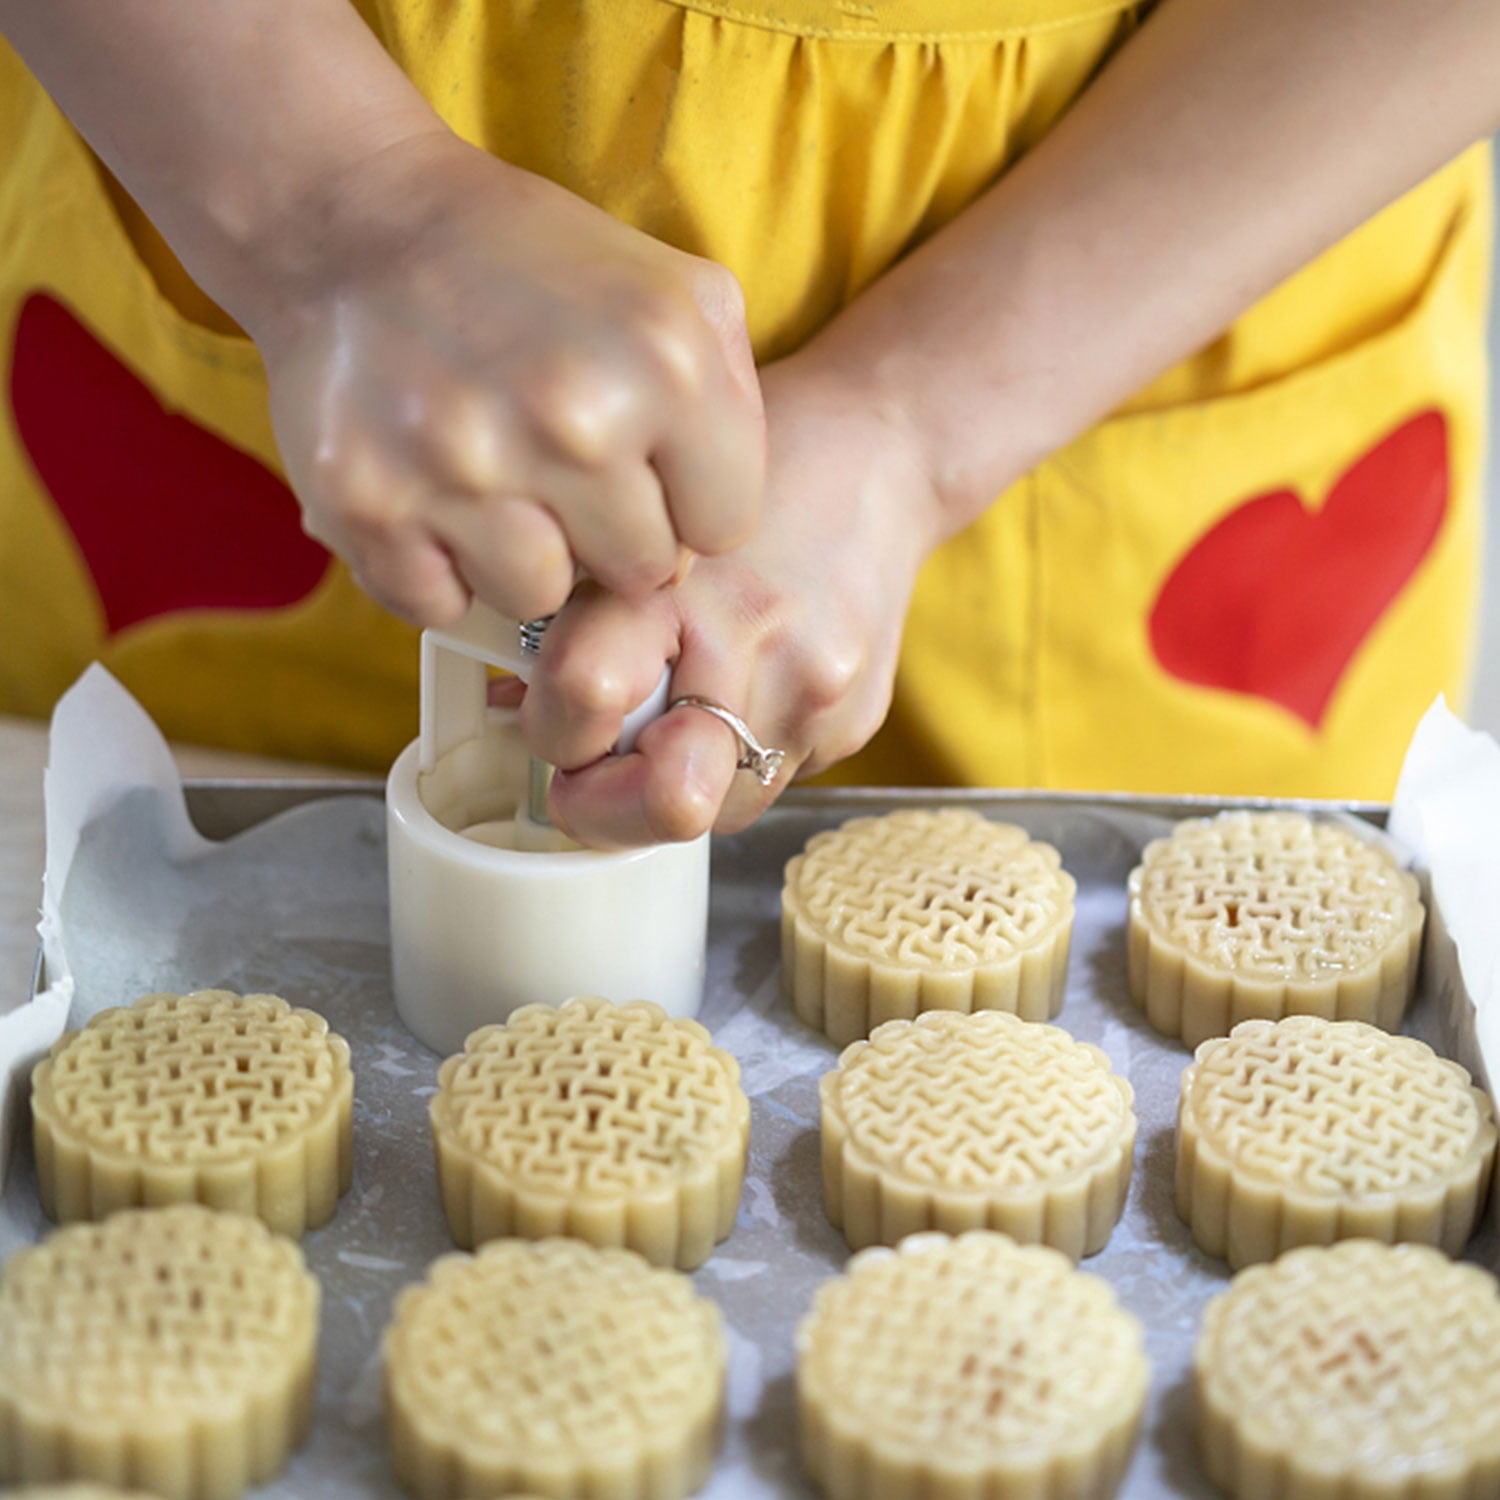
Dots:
{"x": 1251, "y": 579}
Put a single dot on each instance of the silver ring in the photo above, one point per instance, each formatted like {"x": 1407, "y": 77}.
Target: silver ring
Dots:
{"x": 764, "y": 760}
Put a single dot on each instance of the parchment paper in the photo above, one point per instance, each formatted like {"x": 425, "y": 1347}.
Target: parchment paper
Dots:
{"x": 297, "y": 906}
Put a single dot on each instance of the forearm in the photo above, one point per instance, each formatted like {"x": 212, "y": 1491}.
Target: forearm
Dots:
{"x": 1226, "y": 145}
{"x": 228, "y": 122}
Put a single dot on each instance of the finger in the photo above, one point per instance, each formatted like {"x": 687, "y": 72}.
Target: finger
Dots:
{"x": 457, "y": 436}
{"x": 744, "y": 797}
{"x": 410, "y": 573}
{"x": 510, "y": 551}
{"x": 669, "y": 789}
{"x": 616, "y": 522}
{"x": 710, "y": 454}
{"x": 710, "y": 462}
{"x": 602, "y": 656}
{"x": 684, "y": 391}
{"x": 683, "y": 777}
{"x": 360, "y": 503}
{"x": 356, "y": 491}
{"x": 608, "y": 514}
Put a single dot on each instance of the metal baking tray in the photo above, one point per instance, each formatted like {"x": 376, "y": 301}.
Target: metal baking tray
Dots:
{"x": 390, "y": 1226}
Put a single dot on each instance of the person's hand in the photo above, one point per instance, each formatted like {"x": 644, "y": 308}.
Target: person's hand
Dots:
{"x": 486, "y": 385}
{"x": 797, "y": 633}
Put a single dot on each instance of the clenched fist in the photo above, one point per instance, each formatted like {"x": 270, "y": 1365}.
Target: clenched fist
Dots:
{"x": 499, "y": 386}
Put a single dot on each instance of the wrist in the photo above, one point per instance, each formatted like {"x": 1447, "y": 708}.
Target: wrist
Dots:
{"x": 876, "y": 433}
{"x": 970, "y": 429}
{"x": 275, "y": 256}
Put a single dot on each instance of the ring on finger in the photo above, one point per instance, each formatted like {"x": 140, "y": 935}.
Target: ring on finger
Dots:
{"x": 764, "y": 760}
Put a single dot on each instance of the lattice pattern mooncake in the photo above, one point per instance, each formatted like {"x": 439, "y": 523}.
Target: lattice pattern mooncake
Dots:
{"x": 957, "y": 1122}
{"x": 554, "y": 1367}
{"x": 1361, "y": 1370}
{"x": 1305, "y": 1131}
{"x": 171, "y": 1350}
{"x": 1259, "y": 915}
{"x": 950, "y": 1368}
{"x": 613, "y": 1124}
{"x": 886, "y": 917}
{"x": 241, "y": 1103}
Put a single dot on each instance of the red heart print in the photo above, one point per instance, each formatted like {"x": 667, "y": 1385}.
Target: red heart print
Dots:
{"x": 168, "y": 516}
{"x": 1274, "y": 600}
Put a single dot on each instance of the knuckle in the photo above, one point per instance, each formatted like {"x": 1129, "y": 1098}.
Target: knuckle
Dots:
{"x": 581, "y": 407}
{"x": 592, "y": 694}
{"x": 678, "y": 812}
{"x": 831, "y": 676}
{"x": 670, "y": 331}
{"x": 464, "y": 445}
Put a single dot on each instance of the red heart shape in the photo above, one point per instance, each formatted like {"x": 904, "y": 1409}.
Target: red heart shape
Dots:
{"x": 1274, "y": 599}
{"x": 168, "y": 516}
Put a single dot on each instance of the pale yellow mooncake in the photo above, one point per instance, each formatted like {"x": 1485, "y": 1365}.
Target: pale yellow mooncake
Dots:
{"x": 1260, "y": 915}
{"x": 1362, "y": 1370}
{"x": 953, "y": 1368}
{"x": 614, "y": 1124}
{"x": 957, "y": 1121}
{"x": 171, "y": 1350}
{"x": 237, "y": 1102}
{"x": 886, "y": 917}
{"x": 557, "y": 1368}
{"x": 1306, "y": 1131}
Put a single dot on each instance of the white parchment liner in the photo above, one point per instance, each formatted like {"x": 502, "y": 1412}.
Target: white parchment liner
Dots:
{"x": 297, "y": 906}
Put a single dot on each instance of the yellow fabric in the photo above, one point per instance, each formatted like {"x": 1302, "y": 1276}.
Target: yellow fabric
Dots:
{"x": 806, "y": 144}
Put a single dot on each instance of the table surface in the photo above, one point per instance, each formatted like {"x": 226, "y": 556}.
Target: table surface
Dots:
{"x": 23, "y": 755}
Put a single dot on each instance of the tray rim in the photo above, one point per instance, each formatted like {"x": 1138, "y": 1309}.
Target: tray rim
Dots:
{"x": 212, "y": 803}
{"x": 296, "y": 790}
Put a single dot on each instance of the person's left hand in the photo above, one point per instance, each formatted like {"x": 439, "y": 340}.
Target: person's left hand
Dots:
{"x": 797, "y": 632}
